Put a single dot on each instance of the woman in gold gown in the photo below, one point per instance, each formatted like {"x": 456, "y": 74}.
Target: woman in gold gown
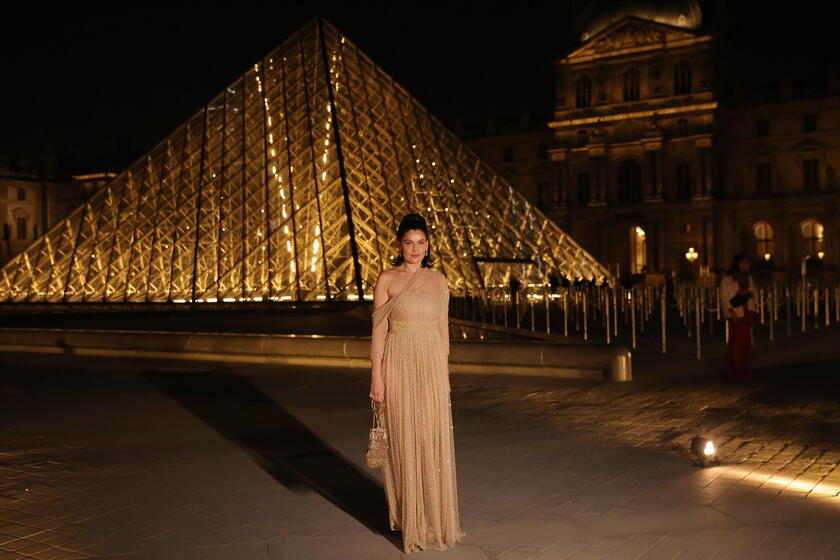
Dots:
{"x": 410, "y": 374}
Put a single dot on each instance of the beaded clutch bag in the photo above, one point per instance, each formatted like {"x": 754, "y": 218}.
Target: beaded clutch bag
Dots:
{"x": 377, "y": 453}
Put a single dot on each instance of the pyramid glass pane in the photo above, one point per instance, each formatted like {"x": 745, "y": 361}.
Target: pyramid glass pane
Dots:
{"x": 288, "y": 186}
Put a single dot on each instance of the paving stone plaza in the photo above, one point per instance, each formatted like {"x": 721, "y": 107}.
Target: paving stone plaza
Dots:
{"x": 150, "y": 460}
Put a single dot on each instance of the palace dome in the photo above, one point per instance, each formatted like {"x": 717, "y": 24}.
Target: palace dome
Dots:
{"x": 601, "y": 13}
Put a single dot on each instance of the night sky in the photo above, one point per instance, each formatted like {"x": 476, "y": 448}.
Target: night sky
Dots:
{"x": 97, "y": 85}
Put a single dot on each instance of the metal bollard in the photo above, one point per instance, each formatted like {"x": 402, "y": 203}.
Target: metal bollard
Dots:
{"x": 565, "y": 312}
{"x": 621, "y": 366}
{"x": 761, "y": 304}
{"x": 585, "y": 317}
{"x": 827, "y": 307}
{"x": 547, "y": 312}
{"x": 803, "y": 304}
{"x": 664, "y": 318}
{"x": 615, "y": 312}
{"x": 607, "y": 324}
{"x": 837, "y": 304}
{"x": 788, "y": 311}
{"x": 697, "y": 314}
{"x": 772, "y": 303}
{"x": 533, "y": 324}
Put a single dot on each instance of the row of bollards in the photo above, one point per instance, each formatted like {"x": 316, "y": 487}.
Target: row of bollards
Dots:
{"x": 589, "y": 311}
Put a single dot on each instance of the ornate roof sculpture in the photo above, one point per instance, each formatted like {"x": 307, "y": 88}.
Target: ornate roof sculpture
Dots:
{"x": 288, "y": 186}
{"x": 601, "y": 14}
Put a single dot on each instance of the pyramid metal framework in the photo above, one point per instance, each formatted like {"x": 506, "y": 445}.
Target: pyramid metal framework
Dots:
{"x": 289, "y": 186}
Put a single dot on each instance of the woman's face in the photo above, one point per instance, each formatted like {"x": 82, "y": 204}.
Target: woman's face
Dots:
{"x": 413, "y": 246}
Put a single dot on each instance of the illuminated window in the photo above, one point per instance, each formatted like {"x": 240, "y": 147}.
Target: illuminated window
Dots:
{"x": 810, "y": 174}
{"x": 762, "y": 128}
{"x": 638, "y": 254}
{"x": 583, "y": 91}
{"x": 812, "y": 238}
{"x": 763, "y": 178}
{"x": 683, "y": 181}
{"x": 629, "y": 182}
{"x": 631, "y": 85}
{"x": 809, "y": 123}
{"x": 682, "y": 78}
{"x": 583, "y": 188}
{"x": 21, "y": 228}
{"x": 763, "y": 240}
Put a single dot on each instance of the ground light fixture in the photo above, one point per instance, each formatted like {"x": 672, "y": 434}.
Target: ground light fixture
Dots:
{"x": 704, "y": 450}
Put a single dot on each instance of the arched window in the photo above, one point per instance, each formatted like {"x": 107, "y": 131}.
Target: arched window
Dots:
{"x": 638, "y": 250}
{"x": 21, "y": 228}
{"x": 629, "y": 182}
{"x": 813, "y": 236}
{"x": 583, "y": 188}
{"x": 631, "y": 85}
{"x": 545, "y": 198}
{"x": 682, "y": 78}
{"x": 683, "y": 180}
{"x": 583, "y": 91}
{"x": 763, "y": 240}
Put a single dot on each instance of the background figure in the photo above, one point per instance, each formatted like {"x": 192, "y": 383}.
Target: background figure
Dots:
{"x": 737, "y": 300}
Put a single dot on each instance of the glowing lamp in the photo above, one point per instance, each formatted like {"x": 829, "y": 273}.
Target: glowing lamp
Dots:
{"x": 767, "y": 257}
{"x": 820, "y": 255}
{"x": 691, "y": 255}
{"x": 704, "y": 450}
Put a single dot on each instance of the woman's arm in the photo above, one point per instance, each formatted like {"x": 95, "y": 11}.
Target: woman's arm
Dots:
{"x": 443, "y": 320}
{"x": 726, "y": 293}
{"x": 377, "y": 341}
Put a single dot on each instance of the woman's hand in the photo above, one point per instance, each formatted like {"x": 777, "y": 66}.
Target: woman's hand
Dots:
{"x": 377, "y": 389}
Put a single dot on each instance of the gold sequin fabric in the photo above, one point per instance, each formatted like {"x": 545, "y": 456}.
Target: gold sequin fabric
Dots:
{"x": 411, "y": 337}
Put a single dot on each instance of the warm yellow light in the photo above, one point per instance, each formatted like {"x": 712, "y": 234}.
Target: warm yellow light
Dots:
{"x": 709, "y": 449}
{"x": 691, "y": 255}
{"x": 821, "y": 254}
{"x": 767, "y": 257}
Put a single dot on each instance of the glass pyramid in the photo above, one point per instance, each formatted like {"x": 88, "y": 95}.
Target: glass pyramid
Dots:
{"x": 289, "y": 186}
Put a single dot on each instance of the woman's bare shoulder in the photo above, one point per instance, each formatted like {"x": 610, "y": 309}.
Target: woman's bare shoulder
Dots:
{"x": 385, "y": 277}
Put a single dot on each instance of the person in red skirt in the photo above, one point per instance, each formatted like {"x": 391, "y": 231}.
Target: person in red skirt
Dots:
{"x": 737, "y": 300}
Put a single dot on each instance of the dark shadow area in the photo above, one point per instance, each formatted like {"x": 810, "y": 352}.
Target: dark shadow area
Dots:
{"x": 282, "y": 445}
{"x": 336, "y": 320}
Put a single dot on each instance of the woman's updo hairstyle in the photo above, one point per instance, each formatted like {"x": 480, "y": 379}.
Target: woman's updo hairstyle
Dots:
{"x": 409, "y": 222}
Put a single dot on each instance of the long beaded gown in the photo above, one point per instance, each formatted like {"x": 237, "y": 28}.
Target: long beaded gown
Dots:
{"x": 411, "y": 337}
